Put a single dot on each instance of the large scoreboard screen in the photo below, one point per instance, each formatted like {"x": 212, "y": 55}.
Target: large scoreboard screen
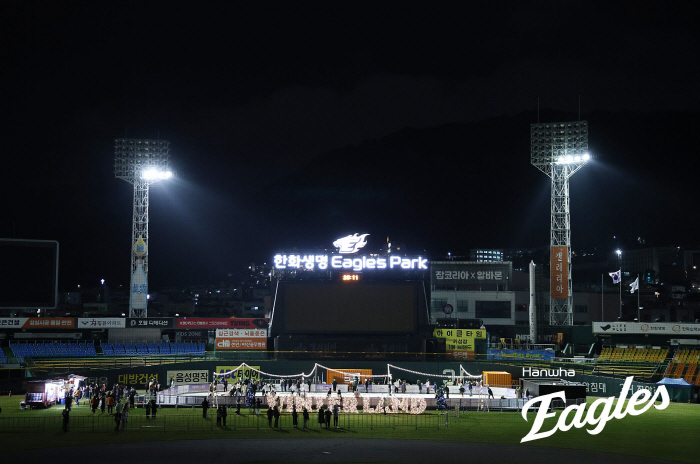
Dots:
{"x": 337, "y": 307}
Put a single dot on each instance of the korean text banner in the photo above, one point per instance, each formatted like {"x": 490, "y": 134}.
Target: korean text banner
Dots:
{"x": 37, "y": 323}
{"x": 251, "y": 372}
{"x": 241, "y": 333}
{"x": 159, "y": 322}
{"x": 101, "y": 323}
{"x": 219, "y": 323}
{"x": 241, "y": 343}
{"x": 559, "y": 272}
{"x": 187, "y": 377}
{"x": 469, "y": 273}
{"x": 459, "y": 333}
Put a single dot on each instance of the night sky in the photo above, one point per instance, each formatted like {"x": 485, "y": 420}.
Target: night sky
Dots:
{"x": 257, "y": 100}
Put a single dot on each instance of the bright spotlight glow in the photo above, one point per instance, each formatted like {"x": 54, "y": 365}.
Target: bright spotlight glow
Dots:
{"x": 154, "y": 174}
{"x": 569, "y": 159}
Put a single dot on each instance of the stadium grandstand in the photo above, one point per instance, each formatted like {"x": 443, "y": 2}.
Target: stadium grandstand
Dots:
{"x": 684, "y": 365}
{"x": 87, "y": 349}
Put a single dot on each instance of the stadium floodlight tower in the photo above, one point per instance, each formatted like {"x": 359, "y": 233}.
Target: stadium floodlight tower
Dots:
{"x": 140, "y": 162}
{"x": 559, "y": 150}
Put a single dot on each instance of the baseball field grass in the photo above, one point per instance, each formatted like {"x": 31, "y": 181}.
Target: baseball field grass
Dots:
{"x": 668, "y": 434}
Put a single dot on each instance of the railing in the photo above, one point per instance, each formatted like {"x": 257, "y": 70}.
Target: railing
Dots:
{"x": 190, "y": 422}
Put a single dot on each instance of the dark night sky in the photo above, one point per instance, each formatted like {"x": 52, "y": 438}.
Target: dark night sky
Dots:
{"x": 248, "y": 95}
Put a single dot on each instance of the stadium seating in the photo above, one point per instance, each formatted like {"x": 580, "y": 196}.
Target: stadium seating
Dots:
{"x": 685, "y": 366}
{"x": 87, "y": 349}
{"x": 142, "y": 349}
{"x": 645, "y": 355}
{"x": 107, "y": 349}
{"x": 53, "y": 349}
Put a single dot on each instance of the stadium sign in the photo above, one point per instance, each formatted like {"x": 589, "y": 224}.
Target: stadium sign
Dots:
{"x": 583, "y": 415}
{"x": 343, "y": 263}
{"x": 347, "y": 245}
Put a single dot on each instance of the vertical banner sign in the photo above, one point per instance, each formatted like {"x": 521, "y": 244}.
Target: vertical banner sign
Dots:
{"x": 559, "y": 272}
{"x": 139, "y": 280}
{"x": 139, "y": 288}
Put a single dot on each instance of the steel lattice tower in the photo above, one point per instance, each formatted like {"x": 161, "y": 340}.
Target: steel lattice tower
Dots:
{"x": 140, "y": 162}
{"x": 559, "y": 150}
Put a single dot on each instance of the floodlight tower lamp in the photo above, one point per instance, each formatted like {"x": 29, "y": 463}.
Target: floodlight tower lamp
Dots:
{"x": 559, "y": 150}
{"x": 141, "y": 163}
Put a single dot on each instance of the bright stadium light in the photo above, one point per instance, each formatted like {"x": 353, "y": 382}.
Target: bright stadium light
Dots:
{"x": 140, "y": 162}
{"x": 153, "y": 174}
{"x": 559, "y": 150}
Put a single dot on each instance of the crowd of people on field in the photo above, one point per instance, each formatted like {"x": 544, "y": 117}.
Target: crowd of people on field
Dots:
{"x": 117, "y": 401}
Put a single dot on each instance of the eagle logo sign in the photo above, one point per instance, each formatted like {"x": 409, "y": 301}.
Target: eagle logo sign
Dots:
{"x": 351, "y": 243}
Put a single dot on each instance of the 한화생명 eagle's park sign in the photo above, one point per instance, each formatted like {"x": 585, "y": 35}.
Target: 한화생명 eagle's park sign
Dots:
{"x": 343, "y": 260}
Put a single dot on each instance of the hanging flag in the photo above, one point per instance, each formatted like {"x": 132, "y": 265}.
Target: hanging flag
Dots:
{"x": 616, "y": 276}
{"x": 634, "y": 285}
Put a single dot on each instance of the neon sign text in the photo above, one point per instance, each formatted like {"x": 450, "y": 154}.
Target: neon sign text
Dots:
{"x": 357, "y": 264}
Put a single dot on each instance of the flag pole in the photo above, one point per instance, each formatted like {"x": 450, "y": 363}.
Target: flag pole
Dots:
{"x": 639, "y": 312}
{"x": 620, "y": 282}
{"x": 602, "y": 300}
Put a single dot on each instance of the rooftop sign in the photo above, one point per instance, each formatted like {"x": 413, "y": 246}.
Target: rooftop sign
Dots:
{"x": 342, "y": 262}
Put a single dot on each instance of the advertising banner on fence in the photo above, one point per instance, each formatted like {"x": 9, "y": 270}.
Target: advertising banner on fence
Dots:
{"x": 220, "y": 323}
{"x": 460, "y": 349}
{"x": 459, "y": 333}
{"x": 136, "y": 380}
{"x": 160, "y": 322}
{"x": 241, "y": 333}
{"x": 452, "y": 273}
{"x": 241, "y": 343}
{"x": 540, "y": 355}
{"x": 101, "y": 323}
{"x": 37, "y": 323}
{"x": 187, "y": 377}
{"x": 251, "y": 372}
{"x": 654, "y": 328}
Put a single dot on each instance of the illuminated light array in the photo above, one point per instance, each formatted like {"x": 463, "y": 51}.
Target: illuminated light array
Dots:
{"x": 395, "y": 405}
{"x": 461, "y": 369}
{"x": 418, "y": 405}
{"x": 316, "y": 366}
{"x": 368, "y": 409}
{"x": 569, "y": 159}
{"x": 156, "y": 174}
{"x": 350, "y": 405}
